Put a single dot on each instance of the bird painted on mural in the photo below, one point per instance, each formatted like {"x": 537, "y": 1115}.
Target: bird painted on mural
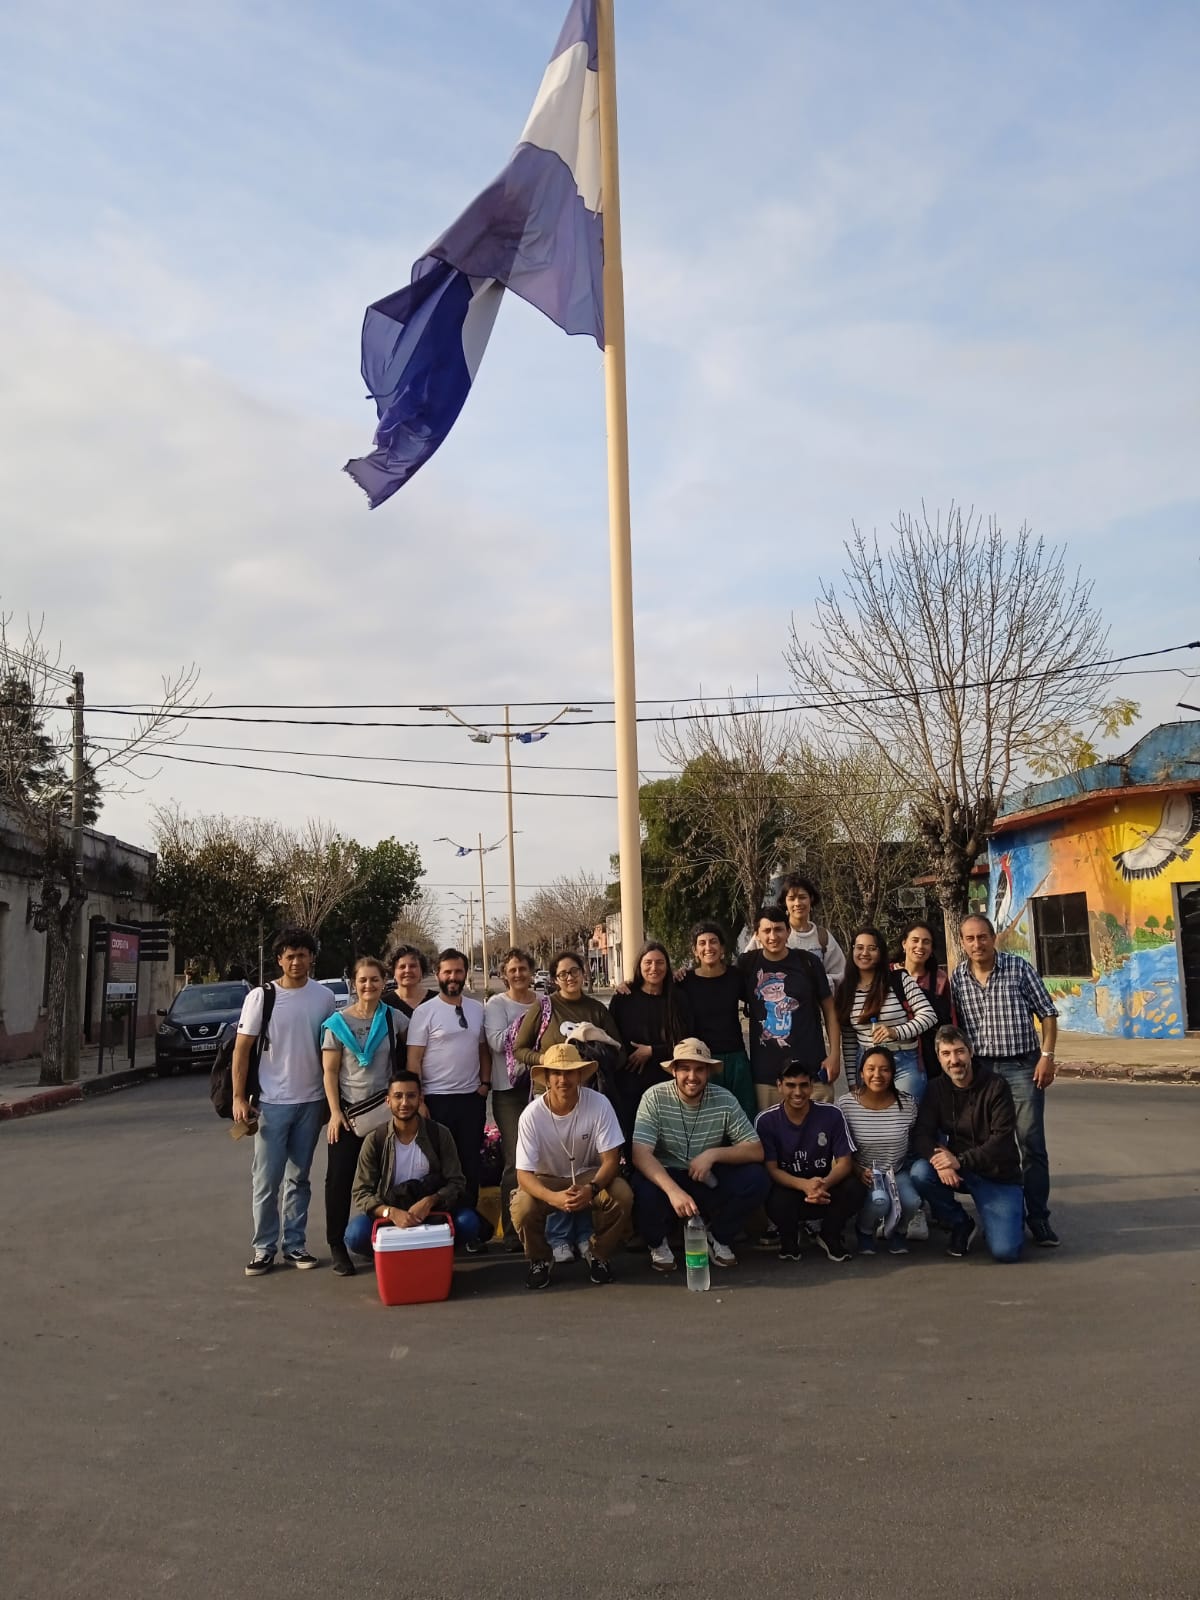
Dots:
{"x": 1004, "y": 891}
{"x": 1180, "y": 821}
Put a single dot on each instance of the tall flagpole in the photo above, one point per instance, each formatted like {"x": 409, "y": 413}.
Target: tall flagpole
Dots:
{"x": 629, "y": 826}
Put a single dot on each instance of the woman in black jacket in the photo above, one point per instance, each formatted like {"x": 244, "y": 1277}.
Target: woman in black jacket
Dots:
{"x": 650, "y": 1021}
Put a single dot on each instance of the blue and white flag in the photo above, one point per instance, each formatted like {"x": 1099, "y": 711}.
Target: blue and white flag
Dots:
{"x": 536, "y": 230}
{"x": 532, "y": 738}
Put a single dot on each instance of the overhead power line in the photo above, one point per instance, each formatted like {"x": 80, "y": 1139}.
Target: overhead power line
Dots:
{"x": 706, "y": 715}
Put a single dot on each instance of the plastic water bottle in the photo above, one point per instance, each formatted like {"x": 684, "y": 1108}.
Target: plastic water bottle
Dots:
{"x": 695, "y": 1253}
{"x": 879, "y": 1192}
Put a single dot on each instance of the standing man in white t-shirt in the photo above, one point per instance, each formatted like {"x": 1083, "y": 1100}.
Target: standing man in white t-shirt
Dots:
{"x": 448, "y": 1051}
{"x": 569, "y": 1146}
{"x": 291, "y": 1100}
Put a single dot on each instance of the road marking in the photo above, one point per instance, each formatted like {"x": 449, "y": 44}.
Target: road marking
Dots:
{"x": 398, "y": 1352}
{"x": 1159, "y": 1227}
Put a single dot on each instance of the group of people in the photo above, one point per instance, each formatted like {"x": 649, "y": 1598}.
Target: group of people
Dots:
{"x": 858, "y": 1095}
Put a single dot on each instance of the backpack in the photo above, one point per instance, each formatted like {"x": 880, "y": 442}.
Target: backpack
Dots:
{"x": 220, "y": 1083}
{"x": 896, "y": 983}
{"x": 518, "y": 1074}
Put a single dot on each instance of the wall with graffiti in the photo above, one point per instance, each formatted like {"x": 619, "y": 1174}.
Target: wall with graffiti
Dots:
{"x": 1125, "y": 852}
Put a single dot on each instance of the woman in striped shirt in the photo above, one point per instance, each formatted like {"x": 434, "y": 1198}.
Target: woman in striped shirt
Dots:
{"x": 880, "y": 1119}
{"x": 877, "y": 1006}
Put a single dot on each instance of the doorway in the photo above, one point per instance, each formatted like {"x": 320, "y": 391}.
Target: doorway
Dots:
{"x": 1188, "y": 903}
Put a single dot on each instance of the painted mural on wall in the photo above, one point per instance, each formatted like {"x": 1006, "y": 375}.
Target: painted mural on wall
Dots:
{"x": 1126, "y": 855}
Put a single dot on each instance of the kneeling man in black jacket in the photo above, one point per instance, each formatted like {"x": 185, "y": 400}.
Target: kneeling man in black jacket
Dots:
{"x": 966, "y": 1138}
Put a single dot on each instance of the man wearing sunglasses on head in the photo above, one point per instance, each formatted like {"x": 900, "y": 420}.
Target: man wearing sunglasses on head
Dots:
{"x": 448, "y": 1050}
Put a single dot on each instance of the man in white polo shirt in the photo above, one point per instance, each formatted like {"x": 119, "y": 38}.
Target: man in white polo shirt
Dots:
{"x": 448, "y": 1050}
{"x": 291, "y": 1099}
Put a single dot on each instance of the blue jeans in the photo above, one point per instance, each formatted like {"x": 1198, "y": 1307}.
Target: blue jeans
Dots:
{"x": 358, "y": 1230}
{"x": 740, "y": 1189}
{"x": 908, "y": 1070}
{"x": 568, "y": 1227}
{"x": 1000, "y": 1207}
{"x": 1030, "y": 1103}
{"x": 283, "y": 1152}
{"x": 876, "y": 1211}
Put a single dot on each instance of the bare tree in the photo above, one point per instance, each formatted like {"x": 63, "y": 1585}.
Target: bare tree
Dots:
{"x": 852, "y": 810}
{"x": 319, "y": 870}
{"x": 416, "y": 924}
{"x": 562, "y": 916}
{"x": 40, "y": 786}
{"x": 961, "y": 657}
{"x": 733, "y": 795}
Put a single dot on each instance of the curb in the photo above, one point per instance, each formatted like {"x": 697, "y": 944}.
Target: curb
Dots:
{"x": 68, "y": 1093}
{"x": 1104, "y": 1072}
{"x": 46, "y": 1100}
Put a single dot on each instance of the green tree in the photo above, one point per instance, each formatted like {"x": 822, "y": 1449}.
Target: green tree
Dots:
{"x": 220, "y": 883}
{"x": 677, "y": 889}
{"x": 387, "y": 876}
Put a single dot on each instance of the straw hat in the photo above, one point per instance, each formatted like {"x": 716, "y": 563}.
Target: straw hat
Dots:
{"x": 562, "y": 1058}
{"x": 692, "y": 1050}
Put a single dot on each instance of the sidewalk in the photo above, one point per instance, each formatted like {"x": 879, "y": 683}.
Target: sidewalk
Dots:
{"x": 1086, "y": 1055}
{"x": 21, "y": 1095}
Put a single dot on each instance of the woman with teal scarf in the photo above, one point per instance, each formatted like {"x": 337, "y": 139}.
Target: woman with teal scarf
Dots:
{"x": 358, "y": 1048}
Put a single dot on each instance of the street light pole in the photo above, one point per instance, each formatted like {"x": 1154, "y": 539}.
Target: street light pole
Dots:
{"x": 483, "y": 918}
{"x": 512, "y": 849}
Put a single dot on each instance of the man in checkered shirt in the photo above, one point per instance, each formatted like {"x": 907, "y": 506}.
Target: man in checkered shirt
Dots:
{"x": 996, "y": 997}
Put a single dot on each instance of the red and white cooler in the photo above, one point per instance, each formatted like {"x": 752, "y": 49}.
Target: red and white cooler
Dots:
{"x": 413, "y": 1265}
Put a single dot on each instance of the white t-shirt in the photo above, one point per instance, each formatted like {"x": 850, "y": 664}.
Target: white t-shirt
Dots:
{"x": 450, "y": 1064}
{"x": 409, "y": 1162}
{"x": 499, "y": 1014}
{"x": 289, "y": 1073}
{"x": 551, "y": 1145}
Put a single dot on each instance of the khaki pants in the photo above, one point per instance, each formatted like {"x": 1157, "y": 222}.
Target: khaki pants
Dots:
{"x": 610, "y": 1217}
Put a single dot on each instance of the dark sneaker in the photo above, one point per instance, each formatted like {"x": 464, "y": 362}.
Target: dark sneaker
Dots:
{"x": 259, "y": 1266}
{"x": 1044, "y": 1235}
{"x": 600, "y": 1271}
{"x": 866, "y": 1244}
{"x": 539, "y": 1275}
{"x": 342, "y": 1264}
{"x": 789, "y": 1249}
{"x": 832, "y": 1246}
{"x": 897, "y": 1245}
{"x": 962, "y": 1237}
{"x": 476, "y": 1247}
{"x": 301, "y": 1260}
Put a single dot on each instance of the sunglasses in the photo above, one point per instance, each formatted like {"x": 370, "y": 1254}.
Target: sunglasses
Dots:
{"x": 462, "y": 1021}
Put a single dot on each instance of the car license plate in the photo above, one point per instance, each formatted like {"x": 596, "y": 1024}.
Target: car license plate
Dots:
{"x": 206, "y": 1044}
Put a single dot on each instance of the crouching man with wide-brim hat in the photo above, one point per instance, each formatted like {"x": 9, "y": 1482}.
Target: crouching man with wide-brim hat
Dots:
{"x": 695, "y": 1154}
{"x": 568, "y": 1151}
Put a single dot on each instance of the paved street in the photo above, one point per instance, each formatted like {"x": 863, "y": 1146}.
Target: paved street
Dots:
{"x": 961, "y": 1428}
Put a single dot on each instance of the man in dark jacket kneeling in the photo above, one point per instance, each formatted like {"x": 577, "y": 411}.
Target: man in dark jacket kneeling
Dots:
{"x": 966, "y": 1138}
{"x": 406, "y": 1169}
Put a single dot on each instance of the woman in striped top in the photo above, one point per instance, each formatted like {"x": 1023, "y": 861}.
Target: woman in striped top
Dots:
{"x": 880, "y": 1119}
{"x": 877, "y": 1006}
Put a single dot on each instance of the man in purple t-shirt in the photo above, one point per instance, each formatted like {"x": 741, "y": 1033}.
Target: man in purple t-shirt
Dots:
{"x": 808, "y": 1150}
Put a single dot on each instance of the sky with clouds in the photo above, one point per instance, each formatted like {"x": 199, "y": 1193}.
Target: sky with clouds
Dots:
{"x": 872, "y": 255}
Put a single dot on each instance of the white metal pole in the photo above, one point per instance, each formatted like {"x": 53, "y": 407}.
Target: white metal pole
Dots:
{"x": 512, "y": 848}
{"x": 629, "y": 828}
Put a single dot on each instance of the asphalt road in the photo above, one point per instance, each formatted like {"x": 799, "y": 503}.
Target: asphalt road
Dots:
{"x": 927, "y": 1426}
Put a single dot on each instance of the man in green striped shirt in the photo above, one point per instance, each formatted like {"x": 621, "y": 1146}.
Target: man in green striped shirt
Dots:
{"x": 694, "y": 1154}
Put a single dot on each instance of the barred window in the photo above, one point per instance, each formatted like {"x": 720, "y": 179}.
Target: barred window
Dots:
{"x": 1064, "y": 944}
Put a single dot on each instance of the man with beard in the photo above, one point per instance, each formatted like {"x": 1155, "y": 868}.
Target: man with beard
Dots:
{"x": 406, "y": 1169}
{"x": 448, "y": 1051}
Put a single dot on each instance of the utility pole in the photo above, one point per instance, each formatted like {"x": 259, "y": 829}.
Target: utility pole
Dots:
{"x": 483, "y": 912}
{"x": 512, "y": 853}
{"x": 71, "y": 998}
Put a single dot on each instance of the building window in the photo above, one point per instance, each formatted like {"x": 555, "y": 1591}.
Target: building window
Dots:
{"x": 1064, "y": 945}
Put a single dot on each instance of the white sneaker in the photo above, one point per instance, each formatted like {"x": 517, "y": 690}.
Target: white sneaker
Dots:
{"x": 585, "y": 1252}
{"x": 662, "y": 1258}
{"x": 918, "y": 1228}
{"x": 563, "y": 1253}
{"x": 720, "y": 1254}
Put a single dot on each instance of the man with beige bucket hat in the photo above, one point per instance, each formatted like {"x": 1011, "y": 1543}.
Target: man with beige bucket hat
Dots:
{"x": 568, "y": 1152}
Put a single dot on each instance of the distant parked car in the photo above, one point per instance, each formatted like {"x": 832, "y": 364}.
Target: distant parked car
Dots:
{"x": 542, "y": 980}
{"x": 191, "y": 1025}
{"x": 340, "y": 990}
